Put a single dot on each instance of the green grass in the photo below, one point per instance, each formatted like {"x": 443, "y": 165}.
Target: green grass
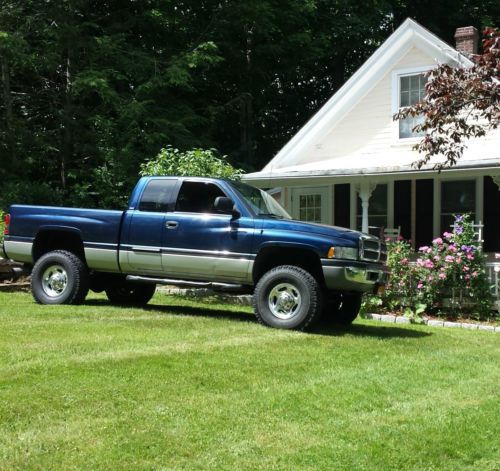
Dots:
{"x": 191, "y": 386}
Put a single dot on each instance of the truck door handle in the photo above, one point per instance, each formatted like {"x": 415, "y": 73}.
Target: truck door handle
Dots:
{"x": 171, "y": 224}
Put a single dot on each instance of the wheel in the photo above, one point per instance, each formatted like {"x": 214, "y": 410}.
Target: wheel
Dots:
{"x": 59, "y": 277}
{"x": 287, "y": 297}
{"x": 129, "y": 294}
{"x": 342, "y": 308}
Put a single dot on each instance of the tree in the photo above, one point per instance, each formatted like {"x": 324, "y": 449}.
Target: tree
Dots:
{"x": 460, "y": 103}
{"x": 195, "y": 162}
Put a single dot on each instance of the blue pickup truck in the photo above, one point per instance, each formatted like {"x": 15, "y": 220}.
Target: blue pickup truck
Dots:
{"x": 198, "y": 232}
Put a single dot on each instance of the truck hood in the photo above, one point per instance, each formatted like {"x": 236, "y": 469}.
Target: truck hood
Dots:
{"x": 313, "y": 228}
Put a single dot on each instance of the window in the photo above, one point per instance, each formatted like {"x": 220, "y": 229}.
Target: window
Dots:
{"x": 157, "y": 195}
{"x": 457, "y": 197}
{"x": 310, "y": 208}
{"x": 411, "y": 91}
{"x": 377, "y": 209}
{"x": 197, "y": 197}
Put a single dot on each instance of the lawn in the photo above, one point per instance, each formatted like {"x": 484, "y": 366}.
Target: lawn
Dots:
{"x": 191, "y": 386}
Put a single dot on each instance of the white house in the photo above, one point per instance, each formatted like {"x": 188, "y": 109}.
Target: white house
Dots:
{"x": 351, "y": 164}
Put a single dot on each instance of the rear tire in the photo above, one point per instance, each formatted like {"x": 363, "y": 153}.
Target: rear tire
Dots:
{"x": 129, "y": 294}
{"x": 287, "y": 297}
{"x": 59, "y": 277}
{"x": 342, "y": 309}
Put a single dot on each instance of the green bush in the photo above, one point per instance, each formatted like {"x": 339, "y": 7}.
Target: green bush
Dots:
{"x": 195, "y": 162}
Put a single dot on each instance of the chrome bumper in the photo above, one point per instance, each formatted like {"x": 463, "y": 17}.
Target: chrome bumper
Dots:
{"x": 351, "y": 278}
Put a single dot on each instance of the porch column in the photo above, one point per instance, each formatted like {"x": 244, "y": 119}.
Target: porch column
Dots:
{"x": 365, "y": 189}
{"x": 496, "y": 180}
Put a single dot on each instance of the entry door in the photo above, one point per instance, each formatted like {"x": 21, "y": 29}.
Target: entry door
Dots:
{"x": 200, "y": 244}
{"x": 311, "y": 204}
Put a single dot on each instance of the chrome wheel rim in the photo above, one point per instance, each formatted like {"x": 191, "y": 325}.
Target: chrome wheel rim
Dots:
{"x": 284, "y": 301}
{"x": 54, "y": 281}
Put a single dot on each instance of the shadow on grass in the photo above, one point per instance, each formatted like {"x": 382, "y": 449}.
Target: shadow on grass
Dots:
{"x": 326, "y": 329}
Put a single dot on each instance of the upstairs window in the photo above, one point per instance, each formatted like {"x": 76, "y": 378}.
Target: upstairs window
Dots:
{"x": 411, "y": 91}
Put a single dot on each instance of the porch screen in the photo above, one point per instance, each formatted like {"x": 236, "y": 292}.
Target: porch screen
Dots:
{"x": 457, "y": 197}
{"x": 377, "y": 210}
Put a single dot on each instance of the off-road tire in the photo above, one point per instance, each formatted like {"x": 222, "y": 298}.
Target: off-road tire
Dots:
{"x": 130, "y": 294}
{"x": 293, "y": 283}
{"x": 59, "y": 277}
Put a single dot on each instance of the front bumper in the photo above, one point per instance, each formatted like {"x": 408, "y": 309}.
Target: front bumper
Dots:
{"x": 354, "y": 276}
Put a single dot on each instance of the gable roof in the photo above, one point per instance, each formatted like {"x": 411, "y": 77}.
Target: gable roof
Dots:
{"x": 409, "y": 34}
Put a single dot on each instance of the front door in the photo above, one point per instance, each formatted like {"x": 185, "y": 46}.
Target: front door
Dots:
{"x": 198, "y": 243}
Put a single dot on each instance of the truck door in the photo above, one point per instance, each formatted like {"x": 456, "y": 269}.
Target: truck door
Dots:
{"x": 198, "y": 243}
{"x": 143, "y": 228}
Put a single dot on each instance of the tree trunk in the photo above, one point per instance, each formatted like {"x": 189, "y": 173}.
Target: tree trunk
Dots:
{"x": 67, "y": 148}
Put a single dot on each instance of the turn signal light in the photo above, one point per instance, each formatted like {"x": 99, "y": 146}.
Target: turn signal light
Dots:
{"x": 7, "y": 222}
{"x": 331, "y": 252}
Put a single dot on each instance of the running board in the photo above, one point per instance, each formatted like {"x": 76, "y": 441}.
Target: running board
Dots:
{"x": 184, "y": 283}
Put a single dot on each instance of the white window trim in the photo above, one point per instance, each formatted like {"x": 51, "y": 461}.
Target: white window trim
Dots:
{"x": 395, "y": 93}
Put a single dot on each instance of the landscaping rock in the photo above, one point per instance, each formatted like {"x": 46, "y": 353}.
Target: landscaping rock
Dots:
{"x": 388, "y": 318}
{"x": 469, "y": 326}
{"x": 451, "y": 324}
{"x": 490, "y": 328}
{"x": 402, "y": 320}
{"x": 435, "y": 323}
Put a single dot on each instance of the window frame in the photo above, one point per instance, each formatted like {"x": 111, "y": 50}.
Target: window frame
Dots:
{"x": 396, "y": 95}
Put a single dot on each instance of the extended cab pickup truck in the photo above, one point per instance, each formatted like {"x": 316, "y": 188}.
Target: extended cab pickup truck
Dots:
{"x": 198, "y": 232}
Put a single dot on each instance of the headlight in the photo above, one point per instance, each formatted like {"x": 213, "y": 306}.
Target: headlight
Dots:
{"x": 349, "y": 253}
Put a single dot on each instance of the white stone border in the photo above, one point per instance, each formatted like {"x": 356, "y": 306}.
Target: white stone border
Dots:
{"x": 431, "y": 322}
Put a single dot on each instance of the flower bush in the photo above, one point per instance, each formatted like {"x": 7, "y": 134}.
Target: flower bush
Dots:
{"x": 448, "y": 277}
{"x": 2, "y": 215}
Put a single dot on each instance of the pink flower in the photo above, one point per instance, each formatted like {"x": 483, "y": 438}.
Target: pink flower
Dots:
{"x": 470, "y": 256}
{"x": 475, "y": 274}
{"x": 420, "y": 262}
{"x": 428, "y": 264}
{"x": 438, "y": 241}
{"x": 447, "y": 235}
{"x": 429, "y": 250}
{"x": 388, "y": 239}
{"x": 437, "y": 258}
{"x": 449, "y": 259}
{"x": 452, "y": 248}
{"x": 467, "y": 277}
{"x": 420, "y": 286}
{"x": 466, "y": 268}
{"x": 404, "y": 261}
{"x": 458, "y": 260}
{"x": 442, "y": 276}
{"x": 430, "y": 278}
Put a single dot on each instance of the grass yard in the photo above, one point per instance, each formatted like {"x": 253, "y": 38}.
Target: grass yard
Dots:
{"x": 189, "y": 386}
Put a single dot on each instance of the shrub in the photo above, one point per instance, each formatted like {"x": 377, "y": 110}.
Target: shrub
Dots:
{"x": 195, "y": 162}
{"x": 448, "y": 278}
{"x": 2, "y": 225}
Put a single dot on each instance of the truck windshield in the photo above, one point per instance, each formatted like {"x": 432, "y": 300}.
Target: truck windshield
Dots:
{"x": 262, "y": 203}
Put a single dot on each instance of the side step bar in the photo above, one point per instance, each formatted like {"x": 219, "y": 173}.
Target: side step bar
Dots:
{"x": 186, "y": 283}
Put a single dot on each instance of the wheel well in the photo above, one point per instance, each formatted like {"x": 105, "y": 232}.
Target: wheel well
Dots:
{"x": 271, "y": 257}
{"x": 47, "y": 241}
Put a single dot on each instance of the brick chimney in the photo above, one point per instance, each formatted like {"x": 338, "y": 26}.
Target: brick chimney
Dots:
{"x": 466, "y": 39}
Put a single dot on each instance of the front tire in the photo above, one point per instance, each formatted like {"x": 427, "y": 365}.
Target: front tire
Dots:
{"x": 129, "y": 294}
{"x": 59, "y": 277}
{"x": 287, "y": 297}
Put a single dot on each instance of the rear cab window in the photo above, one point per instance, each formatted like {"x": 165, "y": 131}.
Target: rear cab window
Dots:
{"x": 158, "y": 195}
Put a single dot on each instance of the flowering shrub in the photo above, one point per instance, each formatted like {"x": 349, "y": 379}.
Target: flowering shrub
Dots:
{"x": 452, "y": 268}
{"x": 2, "y": 215}
{"x": 400, "y": 291}
{"x": 448, "y": 276}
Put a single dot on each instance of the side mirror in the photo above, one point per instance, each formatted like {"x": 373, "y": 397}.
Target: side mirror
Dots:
{"x": 225, "y": 205}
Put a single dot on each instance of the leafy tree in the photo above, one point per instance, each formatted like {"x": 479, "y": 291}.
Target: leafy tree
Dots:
{"x": 460, "y": 103}
{"x": 195, "y": 162}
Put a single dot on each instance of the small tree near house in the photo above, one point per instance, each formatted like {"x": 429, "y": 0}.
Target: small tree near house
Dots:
{"x": 460, "y": 103}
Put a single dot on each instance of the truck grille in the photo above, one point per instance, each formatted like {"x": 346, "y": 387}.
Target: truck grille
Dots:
{"x": 371, "y": 249}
